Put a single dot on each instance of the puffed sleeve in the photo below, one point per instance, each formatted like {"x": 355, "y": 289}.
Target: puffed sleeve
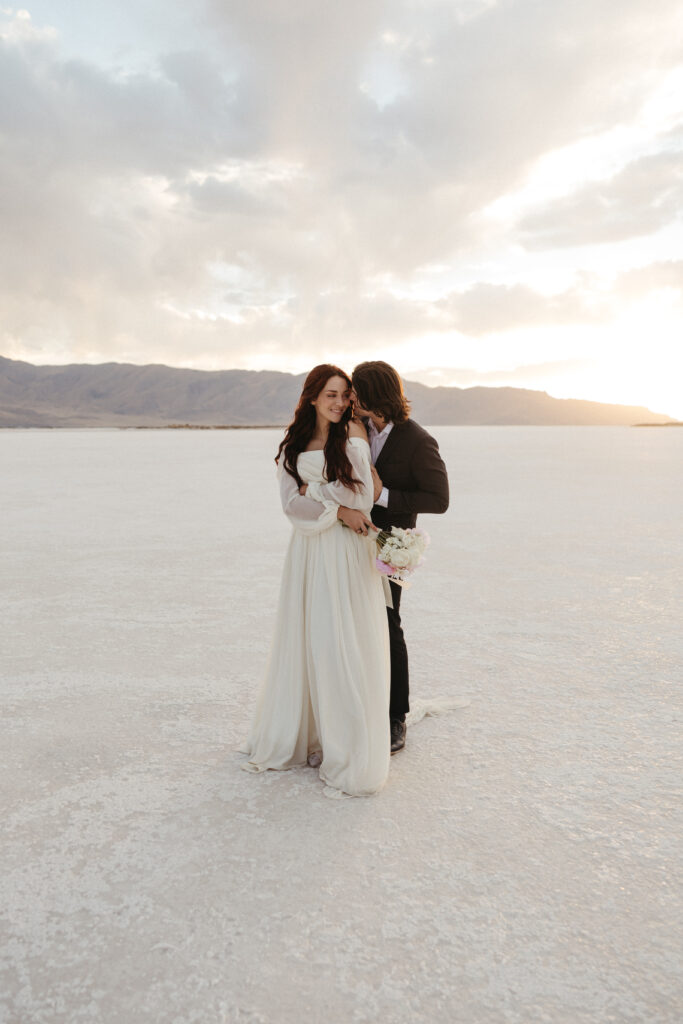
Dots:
{"x": 306, "y": 515}
{"x": 358, "y": 451}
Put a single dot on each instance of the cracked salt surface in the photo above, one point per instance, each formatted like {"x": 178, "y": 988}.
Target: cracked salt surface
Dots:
{"x": 522, "y": 864}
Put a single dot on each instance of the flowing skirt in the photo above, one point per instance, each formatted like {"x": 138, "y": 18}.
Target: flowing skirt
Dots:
{"x": 326, "y": 686}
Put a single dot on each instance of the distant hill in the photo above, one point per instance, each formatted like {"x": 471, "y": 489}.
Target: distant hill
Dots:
{"x": 124, "y": 395}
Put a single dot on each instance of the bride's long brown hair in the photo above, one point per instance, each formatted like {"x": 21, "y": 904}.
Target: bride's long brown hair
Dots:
{"x": 301, "y": 430}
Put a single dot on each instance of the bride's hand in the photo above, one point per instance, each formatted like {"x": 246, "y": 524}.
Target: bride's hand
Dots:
{"x": 355, "y": 520}
{"x": 303, "y": 489}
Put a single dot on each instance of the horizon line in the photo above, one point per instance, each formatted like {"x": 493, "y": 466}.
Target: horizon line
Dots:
{"x": 289, "y": 373}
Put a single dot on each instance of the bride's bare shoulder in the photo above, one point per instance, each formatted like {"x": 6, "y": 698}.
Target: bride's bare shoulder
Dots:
{"x": 356, "y": 429}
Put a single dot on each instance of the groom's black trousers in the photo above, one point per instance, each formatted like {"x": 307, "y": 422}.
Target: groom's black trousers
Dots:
{"x": 398, "y": 701}
{"x": 415, "y": 476}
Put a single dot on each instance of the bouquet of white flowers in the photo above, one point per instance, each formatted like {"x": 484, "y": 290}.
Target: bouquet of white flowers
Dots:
{"x": 400, "y": 552}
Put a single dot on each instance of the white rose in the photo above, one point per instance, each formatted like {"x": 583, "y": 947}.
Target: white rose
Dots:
{"x": 400, "y": 559}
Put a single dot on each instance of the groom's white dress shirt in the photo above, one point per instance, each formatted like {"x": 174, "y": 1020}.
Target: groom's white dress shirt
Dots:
{"x": 377, "y": 441}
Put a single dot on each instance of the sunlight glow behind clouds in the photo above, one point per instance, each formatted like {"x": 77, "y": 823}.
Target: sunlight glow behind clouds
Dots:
{"x": 599, "y": 157}
{"x": 474, "y": 191}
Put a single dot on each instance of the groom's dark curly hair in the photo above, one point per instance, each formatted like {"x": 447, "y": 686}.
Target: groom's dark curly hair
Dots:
{"x": 379, "y": 389}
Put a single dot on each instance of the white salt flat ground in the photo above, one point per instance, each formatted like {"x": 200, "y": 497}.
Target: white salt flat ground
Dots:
{"x": 523, "y": 863}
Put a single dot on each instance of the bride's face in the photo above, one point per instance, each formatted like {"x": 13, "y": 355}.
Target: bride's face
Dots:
{"x": 333, "y": 400}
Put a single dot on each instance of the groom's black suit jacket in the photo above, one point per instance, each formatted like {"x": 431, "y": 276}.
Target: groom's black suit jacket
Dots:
{"x": 414, "y": 473}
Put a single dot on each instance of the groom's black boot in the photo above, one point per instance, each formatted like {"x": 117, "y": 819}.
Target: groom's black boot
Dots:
{"x": 398, "y": 734}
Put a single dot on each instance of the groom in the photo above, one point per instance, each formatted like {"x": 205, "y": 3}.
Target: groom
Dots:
{"x": 409, "y": 477}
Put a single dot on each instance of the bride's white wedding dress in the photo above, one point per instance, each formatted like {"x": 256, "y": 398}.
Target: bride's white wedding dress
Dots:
{"x": 326, "y": 686}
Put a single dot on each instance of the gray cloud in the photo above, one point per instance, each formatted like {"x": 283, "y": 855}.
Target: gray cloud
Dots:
{"x": 664, "y": 274}
{"x": 642, "y": 198}
{"x": 487, "y": 308}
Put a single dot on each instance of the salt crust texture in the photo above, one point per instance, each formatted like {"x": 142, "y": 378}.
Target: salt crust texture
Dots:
{"x": 522, "y": 864}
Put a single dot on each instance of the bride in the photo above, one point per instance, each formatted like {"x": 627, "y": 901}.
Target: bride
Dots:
{"x": 325, "y": 696}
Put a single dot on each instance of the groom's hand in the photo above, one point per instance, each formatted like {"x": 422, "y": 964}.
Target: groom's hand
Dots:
{"x": 355, "y": 520}
{"x": 377, "y": 483}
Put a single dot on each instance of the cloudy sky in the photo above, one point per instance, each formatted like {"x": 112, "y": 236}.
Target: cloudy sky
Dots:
{"x": 479, "y": 191}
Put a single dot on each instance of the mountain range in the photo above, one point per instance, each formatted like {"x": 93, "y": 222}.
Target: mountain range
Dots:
{"x": 126, "y": 395}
